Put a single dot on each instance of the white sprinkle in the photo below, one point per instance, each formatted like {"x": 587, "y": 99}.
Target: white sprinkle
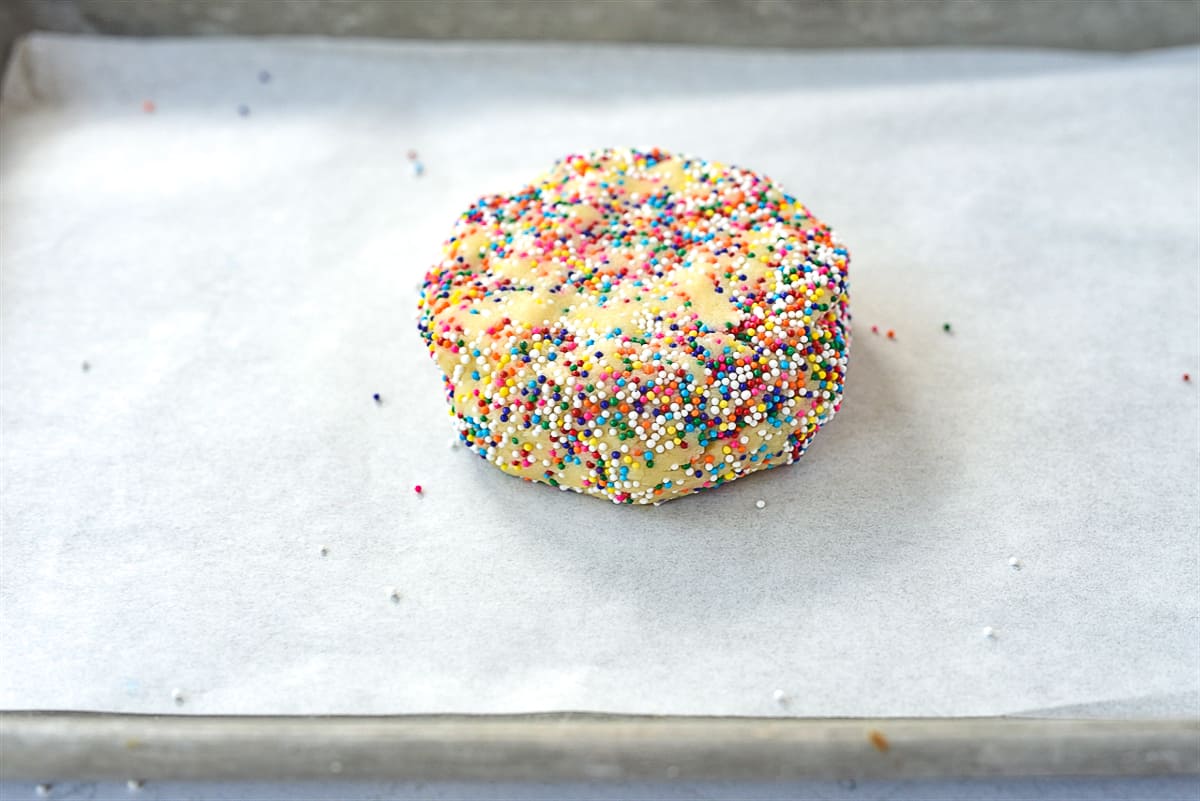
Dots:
{"x": 134, "y": 785}
{"x": 1014, "y": 563}
{"x": 335, "y": 767}
{"x": 780, "y": 697}
{"x": 43, "y": 790}
{"x": 672, "y": 772}
{"x": 761, "y": 504}
{"x": 178, "y": 696}
{"x": 989, "y": 632}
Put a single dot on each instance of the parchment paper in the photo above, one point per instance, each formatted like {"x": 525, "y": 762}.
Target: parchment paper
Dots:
{"x": 241, "y": 283}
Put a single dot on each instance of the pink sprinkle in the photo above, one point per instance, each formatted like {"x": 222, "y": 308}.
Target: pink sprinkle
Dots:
{"x": 417, "y": 489}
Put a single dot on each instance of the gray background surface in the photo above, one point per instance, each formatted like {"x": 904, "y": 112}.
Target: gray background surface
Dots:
{"x": 1083, "y": 24}
{"x": 1162, "y": 789}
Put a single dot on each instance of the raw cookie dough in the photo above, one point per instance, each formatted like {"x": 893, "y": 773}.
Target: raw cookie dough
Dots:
{"x": 638, "y": 326}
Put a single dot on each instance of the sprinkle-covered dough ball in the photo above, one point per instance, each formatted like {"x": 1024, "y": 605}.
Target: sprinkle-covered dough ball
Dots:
{"x": 638, "y": 326}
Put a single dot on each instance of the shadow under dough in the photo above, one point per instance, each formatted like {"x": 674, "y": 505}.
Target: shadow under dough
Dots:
{"x": 826, "y": 518}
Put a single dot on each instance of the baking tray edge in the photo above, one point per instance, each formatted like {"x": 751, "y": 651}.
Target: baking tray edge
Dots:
{"x": 64, "y": 745}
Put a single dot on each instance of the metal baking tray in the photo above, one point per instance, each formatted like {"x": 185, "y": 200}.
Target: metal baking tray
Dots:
{"x": 567, "y": 745}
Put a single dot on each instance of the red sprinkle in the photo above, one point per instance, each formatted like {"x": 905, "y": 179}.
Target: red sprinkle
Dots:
{"x": 891, "y": 334}
{"x": 1187, "y": 377}
{"x": 874, "y": 329}
{"x": 412, "y": 155}
{"x": 148, "y": 106}
{"x": 417, "y": 489}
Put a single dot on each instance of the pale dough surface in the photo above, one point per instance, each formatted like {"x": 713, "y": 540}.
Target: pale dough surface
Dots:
{"x": 643, "y": 325}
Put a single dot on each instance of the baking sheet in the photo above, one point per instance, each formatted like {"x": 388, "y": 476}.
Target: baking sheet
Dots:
{"x": 213, "y": 517}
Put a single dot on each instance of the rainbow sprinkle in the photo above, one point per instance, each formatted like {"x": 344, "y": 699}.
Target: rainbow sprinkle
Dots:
{"x": 639, "y": 326}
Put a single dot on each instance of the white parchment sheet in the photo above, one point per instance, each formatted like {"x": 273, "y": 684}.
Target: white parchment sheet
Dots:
{"x": 239, "y": 267}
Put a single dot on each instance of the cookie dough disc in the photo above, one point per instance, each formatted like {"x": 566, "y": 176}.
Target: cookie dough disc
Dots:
{"x": 638, "y": 326}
